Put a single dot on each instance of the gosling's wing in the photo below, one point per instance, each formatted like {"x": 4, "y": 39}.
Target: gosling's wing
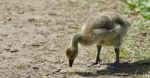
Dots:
{"x": 102, "y": 32}
{"x": 97, "y": 22}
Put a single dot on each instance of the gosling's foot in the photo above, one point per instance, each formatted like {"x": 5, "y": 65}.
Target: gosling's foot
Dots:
{"x": 97, "y": 63}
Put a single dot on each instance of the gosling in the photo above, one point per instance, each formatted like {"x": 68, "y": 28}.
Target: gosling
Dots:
{"x": 104, "y": 29}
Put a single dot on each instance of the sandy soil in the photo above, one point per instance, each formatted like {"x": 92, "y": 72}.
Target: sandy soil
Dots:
{"x": 34, "y": 35}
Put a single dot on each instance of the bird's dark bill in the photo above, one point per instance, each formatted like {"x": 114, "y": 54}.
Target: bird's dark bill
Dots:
{"x": 70, "y": 63}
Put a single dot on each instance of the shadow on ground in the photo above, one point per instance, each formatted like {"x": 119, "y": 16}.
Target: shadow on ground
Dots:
{"x": 124, "y": 69}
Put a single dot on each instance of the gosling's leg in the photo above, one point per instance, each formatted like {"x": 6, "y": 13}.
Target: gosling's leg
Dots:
{"x": 116, "y": 63}
{"x": 117, "y": 52}
{"x": 98, "y": 60}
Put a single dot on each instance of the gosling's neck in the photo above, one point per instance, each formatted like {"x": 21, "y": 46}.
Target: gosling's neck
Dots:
{"x": 75, "y": 41}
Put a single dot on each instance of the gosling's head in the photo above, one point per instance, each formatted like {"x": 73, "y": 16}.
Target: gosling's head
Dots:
{"x": 71, "y": 54}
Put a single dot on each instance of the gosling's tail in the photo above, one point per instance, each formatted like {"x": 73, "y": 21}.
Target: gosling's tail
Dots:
{"x": 124, "y": 23}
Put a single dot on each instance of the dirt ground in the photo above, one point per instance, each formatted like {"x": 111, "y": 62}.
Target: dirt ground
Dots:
{"x": 34, "y": 35}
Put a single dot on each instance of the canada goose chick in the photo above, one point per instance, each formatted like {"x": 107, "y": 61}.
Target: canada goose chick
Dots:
{"x": 105, "y": 29}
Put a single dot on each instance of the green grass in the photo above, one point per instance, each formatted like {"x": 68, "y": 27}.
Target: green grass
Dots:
{"x": 144, "y": 76}
{"x": 140, "y": 6}
{"x": 142, "y": 55}
{"x": 143, "y": 24}
{"x": 123, "y": 53}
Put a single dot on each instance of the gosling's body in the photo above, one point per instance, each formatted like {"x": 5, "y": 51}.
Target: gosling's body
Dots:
{"x": 105, "y": 29}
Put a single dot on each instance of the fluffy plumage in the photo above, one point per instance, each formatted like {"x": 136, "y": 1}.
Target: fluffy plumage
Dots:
{"x": 105, "y": 29}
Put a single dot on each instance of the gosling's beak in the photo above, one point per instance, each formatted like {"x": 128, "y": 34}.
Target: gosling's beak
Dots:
{"x": 70, "y": 63}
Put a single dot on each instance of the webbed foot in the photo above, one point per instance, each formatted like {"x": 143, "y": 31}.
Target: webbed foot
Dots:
{"x": 96, "y": 63}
